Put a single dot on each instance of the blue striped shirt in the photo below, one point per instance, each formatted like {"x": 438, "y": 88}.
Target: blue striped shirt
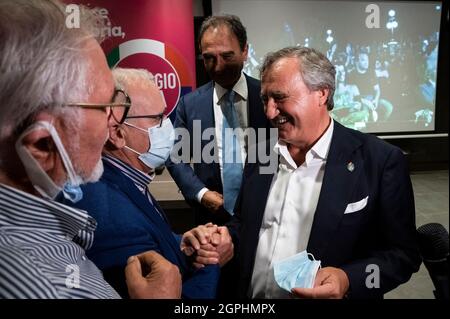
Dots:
{"x": 42, "y": 250}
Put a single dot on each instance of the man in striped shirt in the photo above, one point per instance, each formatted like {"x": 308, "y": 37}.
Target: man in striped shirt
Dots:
{"x": 57, "y": 100}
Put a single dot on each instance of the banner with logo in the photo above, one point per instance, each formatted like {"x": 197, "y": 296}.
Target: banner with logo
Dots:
{"x": 156, "y": 35}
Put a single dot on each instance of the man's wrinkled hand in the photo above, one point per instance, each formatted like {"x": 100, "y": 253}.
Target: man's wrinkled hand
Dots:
{"x": 151, "y": 276}
{"x": 194, "y": 238}
{"x": 221, "y": 243}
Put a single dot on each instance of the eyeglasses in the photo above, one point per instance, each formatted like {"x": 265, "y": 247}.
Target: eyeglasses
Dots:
{"x": 159, "y": 116}
{"x": 119, "y": 106}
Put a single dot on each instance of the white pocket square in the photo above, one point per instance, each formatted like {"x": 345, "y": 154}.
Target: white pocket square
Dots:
{"x": 356, "y": 206}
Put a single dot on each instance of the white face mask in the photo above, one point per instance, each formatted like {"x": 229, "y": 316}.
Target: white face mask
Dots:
{"x": 161, "y": 142}
{"x": 43, "y": 184}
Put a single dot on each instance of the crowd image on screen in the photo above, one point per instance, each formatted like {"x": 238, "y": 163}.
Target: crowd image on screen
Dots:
{"x": 377, "y": 81}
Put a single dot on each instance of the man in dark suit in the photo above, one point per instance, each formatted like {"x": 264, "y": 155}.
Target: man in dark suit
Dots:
{"x": 212, "y": 186}
{"x": 343, "y": 196}
{"x": 129, "y": 219}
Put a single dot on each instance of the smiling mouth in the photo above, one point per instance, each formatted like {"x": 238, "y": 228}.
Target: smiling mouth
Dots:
{"x": 280, "y": 120}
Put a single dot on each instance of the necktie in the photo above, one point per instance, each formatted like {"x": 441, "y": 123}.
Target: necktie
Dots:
{"x": 231, "y": 154}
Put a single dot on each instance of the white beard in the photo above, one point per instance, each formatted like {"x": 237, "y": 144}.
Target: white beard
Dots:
{"x": 96, "y": 173}
{"x": 80, "y": 178}
{"x": 98, "y": 169}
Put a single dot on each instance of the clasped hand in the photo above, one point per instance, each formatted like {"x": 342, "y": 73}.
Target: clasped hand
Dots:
{"x": 208, "y": 244}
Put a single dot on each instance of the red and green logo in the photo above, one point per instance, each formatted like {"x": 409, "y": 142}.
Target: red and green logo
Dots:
{"x": 161, "y": 60}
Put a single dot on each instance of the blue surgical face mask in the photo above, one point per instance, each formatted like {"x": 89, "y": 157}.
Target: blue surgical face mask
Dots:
{"x": 161, "y": 142}
{"x": 43, "y": 184}
{"x": 297, "y": 271}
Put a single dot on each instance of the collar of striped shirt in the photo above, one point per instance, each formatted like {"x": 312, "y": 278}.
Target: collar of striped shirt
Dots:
{"x": 24, "y": 210}
{"x": 139, "y": 178}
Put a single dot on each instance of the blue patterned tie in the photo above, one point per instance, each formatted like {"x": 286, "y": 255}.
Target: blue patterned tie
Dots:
{"x": 231, "y": 154}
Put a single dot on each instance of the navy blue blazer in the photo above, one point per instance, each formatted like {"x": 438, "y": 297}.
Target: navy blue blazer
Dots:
{"x": 198, "y": 105}
{"x": 383, "y": 233}
{"x": 128, "y": 224}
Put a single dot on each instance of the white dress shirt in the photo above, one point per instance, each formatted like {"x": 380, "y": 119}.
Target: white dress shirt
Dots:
{"x": 289, "y": 213}
{"x": 241, "y": 106}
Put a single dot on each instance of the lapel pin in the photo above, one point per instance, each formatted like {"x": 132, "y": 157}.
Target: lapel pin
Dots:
{"x": 350, "y": 166}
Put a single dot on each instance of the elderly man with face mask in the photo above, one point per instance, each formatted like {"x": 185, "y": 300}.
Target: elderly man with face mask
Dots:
{"x": 130, "y": 220}
{"x": 57, "y": 100}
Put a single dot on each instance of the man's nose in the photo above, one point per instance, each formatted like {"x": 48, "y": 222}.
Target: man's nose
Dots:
{"x": 271, "y": 109}
{"x": 220, "y": 65}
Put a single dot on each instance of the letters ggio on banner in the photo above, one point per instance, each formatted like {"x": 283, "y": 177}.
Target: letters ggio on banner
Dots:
{"x": 150, "y": 54}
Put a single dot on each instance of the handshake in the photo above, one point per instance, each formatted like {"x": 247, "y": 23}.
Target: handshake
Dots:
{"x": 149, "y": 275}
{"x": 208, "y": 244}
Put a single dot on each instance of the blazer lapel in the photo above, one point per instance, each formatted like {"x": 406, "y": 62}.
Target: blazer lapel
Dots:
{"x": 254, "y": 208}
{"x": 254, "y": 104}
{"x": 159, "y": 209}
{"x": 337, "y": 186}
{"x": 206, "y": 107}
{"x": 263, "y": 181}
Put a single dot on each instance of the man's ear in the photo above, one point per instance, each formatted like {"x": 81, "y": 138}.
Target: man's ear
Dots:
{"x": 40, "y": 145}
{"x": 245, "y": 51}
{"x": 323, "y": 96}
{"x": 117, "y": 136}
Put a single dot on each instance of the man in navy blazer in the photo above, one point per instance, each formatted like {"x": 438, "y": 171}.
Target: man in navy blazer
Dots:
{"x": 129, "y": 219}
{"x": 343, "y": 196}
{"x": 223, "y": 43}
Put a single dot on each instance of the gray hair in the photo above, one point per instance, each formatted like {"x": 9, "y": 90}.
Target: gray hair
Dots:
{"x": 315, "y": 69}
{"x": 231, "y": 21}
{"x": 42, "y": 64}
{"x": 124, "y": 77}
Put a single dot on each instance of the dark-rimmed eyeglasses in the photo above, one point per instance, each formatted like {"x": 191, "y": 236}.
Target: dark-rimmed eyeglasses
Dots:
{"x": 159, "y": 116}
{"x": 119, "y": 106}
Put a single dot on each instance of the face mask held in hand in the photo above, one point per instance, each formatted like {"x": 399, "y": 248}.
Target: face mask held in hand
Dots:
{"x": 297, "y": 271}
{"x": 43, "y": 184}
